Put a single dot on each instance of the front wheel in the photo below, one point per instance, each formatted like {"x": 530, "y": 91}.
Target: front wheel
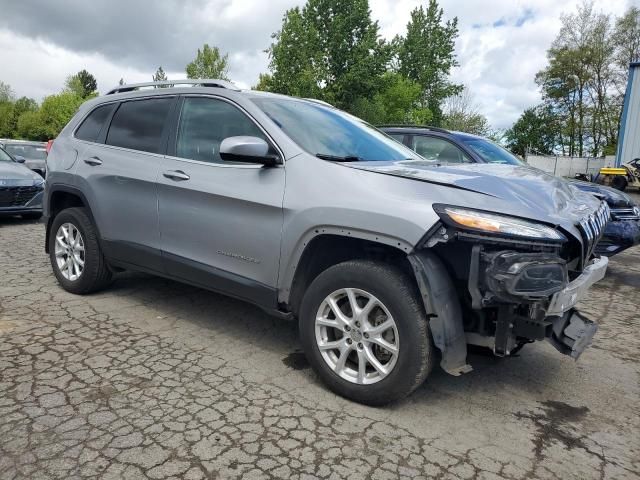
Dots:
{"x": 365, "y": 333}
{"x": 75, "y": 254}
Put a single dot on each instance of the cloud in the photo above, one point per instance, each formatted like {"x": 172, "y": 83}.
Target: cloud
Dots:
{"x": 502, "y": 43}
{"x": 145, "y": 34}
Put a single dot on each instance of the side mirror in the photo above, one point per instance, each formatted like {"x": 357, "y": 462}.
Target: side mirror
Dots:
{"x": 19, "y": 158}
{"x": 247, "y": 149}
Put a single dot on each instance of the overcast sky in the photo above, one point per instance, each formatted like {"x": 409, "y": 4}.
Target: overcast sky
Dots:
{"x": 502, "y": 43}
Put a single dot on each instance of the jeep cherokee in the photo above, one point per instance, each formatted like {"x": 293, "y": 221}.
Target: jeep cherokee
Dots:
{"x": 383, "y": 257}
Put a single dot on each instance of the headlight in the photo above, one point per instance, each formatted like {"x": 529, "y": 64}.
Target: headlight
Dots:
{"x": 496, "y": 224}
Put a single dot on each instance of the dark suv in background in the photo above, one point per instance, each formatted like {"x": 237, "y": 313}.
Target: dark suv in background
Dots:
{"x": 451, "y": 148}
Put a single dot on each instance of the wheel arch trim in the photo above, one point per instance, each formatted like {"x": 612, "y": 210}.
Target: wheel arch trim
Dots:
{"x": 73, "y": 191}
{"x": 443, "y": 310}
{"x": 289, "y": 269}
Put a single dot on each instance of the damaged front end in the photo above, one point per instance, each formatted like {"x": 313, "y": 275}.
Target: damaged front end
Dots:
{"x": 504, "y": 292}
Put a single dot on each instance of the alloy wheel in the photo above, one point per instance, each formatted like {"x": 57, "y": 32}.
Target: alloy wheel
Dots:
{"x": 69, "y": 250}
{"x": 357, "y": 336}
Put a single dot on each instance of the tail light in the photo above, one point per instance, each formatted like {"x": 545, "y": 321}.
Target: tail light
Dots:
{"x": 49, "y": 145}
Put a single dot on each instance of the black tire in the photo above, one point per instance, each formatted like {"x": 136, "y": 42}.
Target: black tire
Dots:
{"x": 96, "y": 274}
{"x": 619, "y": 183}
{"x": 32, "y": 216}
{"x": 399, "y": 294}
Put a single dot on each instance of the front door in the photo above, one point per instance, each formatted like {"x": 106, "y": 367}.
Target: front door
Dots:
{"x": 220, "y": 222}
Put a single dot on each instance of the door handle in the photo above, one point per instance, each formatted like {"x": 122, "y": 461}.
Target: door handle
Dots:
{"x": 93, "y": 161}
{"x": 177, "y": 175}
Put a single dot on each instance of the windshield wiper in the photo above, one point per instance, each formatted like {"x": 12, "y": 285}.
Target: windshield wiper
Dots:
{"x": 337, "y": 158}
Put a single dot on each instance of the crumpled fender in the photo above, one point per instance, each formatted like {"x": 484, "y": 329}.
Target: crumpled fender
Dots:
{"x": 443, "y": 310}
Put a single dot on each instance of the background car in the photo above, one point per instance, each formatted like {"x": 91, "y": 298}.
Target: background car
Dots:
{"x": 34, "y": 153}
{"x": 20, "y": 188}
{"x": 447, "y": 147}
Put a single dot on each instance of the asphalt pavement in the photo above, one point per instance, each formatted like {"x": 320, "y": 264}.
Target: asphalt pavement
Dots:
{"x": 154, "y": 379}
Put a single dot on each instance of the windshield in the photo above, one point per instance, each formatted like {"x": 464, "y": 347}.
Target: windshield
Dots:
{"x": 330, "y": 133}
{"x": 4, "y": 157}
{"x": 491, "y": 152}
{"x": 32, "y": 152}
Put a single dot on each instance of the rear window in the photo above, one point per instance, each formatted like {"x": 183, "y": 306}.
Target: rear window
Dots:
{"x": 138, "y": 124}
{"x": 31, "y": 152}
{"x": 92, "y": 125}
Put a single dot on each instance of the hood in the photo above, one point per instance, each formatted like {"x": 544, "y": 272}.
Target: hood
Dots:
{"x": 615, "y": 198}
{"x": 529, "y": 188}
{"x": 16, "y": 174}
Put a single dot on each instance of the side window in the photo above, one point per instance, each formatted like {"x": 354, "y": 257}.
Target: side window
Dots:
{"x": 91, "y": 126}
{"x": 398, "y": 137}
{"x": 205, "y": 122}
{"x": 439, "y": 150}
{"x": 138, "y": 124}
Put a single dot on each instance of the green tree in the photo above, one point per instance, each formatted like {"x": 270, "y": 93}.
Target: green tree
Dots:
{"x": 347, "y": 50}
{"x": 578, "y": 84}
{"x": 398, "y": 101}
{"x": 265, "y": 83}
{"x": 6, "y": 93}
{"x": 330, "y": 50}
{"x": 626, "y": 38}
{"x": 21, "y": 106}
{"x": 82, "y": 84}
{"x": 208, "y": 64}
{"x": 56, "y": 111}
{"x": 534, "y": 131}
{"x": 291, "y": 59}
{"x": 30, "y": 127}
{"x": 426, "y": 55}
{"x": 462, "y": 115}
{"x": 159, "y": 76}
{"x": 6, "y": 119}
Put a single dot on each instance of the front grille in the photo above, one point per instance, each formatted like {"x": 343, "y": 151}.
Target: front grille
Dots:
{"x": 629, "y": 213}
{"x": 592, "y": 228}
{"x": 17, "y": 196}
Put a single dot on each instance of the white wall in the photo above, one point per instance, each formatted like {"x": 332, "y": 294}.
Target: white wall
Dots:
{"x": 569, "y": 166}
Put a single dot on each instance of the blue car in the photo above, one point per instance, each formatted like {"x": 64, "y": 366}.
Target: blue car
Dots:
{"x": 446, "y": 147}
{"x": 21, "y": 189}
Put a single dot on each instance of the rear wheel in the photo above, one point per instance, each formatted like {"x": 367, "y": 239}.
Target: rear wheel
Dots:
{"x": 365, "y": 333}
{"x": 75, "y": 254}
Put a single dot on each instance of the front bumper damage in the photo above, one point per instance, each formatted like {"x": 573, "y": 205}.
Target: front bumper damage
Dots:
{"x": 528, "y": 295}
{"x": 577, "y": 289}
{"x": 572, "y": 333}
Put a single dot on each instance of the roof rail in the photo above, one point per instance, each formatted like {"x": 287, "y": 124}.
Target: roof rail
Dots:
{"x": 202, "y": 82}
{"x": 407, "y": 125}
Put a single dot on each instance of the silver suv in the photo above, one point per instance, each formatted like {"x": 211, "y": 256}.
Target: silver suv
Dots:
{"x": 389, "y": 261}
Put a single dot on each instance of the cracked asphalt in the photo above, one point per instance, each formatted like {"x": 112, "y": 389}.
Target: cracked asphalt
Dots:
{"x": 154, "y": 379}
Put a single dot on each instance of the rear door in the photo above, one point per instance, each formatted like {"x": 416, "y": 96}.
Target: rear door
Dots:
{"x": 220, "y": 221}
{"x": 120, "y": 170}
